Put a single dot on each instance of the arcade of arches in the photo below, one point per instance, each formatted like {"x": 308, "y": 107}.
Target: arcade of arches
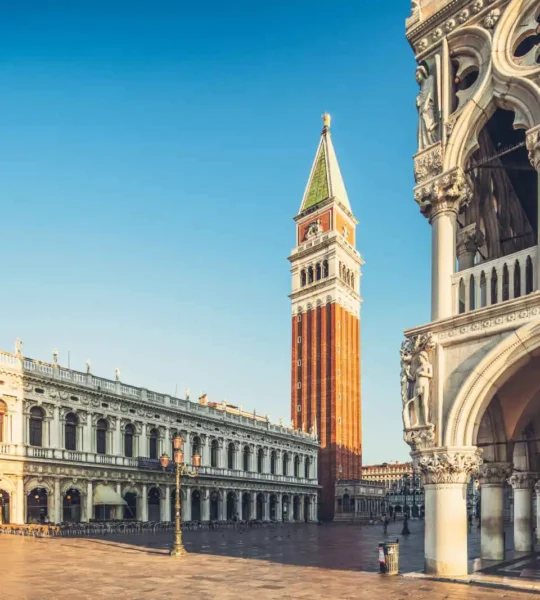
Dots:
{"x": 64, "y": 503}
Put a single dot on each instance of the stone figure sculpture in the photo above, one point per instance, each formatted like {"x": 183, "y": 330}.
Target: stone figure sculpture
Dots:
{"x": 416, "y": 376}
{"x": 425, "y": 103}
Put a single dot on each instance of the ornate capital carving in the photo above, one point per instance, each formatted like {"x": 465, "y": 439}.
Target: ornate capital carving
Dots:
{"x": 494, "y": 473}
{"x": 420, "y": 438}
{"x": 447, "y": 465}
{"x": 448, "y": 192}
{"x": 469, "y": 239}
{"x": 533, "y": 146}
{"x": 428, "y": 163}
{"x": 523, "y": 481}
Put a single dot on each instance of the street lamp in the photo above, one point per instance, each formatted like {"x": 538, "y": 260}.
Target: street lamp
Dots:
{"x": 405, "y": 529}
{"x": 180, "y": 468}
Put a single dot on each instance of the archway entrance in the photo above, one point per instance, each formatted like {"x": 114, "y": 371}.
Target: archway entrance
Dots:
{"x": 273, "y": 507}
{"x": 4, "y": 507}
{"x": 154, "y": 503}
{"x": 196, "y": 505}
{"x": 246, "y": 512}
{"x": 130, "y": 509}
{"x": 307, "y": 509}
{"x": 231, "y": 506}
{"x": 37, "y": 506}
{"x": 285, "y": 509}
{"x": 296, "y": 508}
{"x": 260, "y": 507}
{"x": 71, "y": 512}
{"x": 214, "y": 506}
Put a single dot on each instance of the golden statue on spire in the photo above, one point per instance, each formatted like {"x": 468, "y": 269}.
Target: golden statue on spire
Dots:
{"x": 326, "y": 120}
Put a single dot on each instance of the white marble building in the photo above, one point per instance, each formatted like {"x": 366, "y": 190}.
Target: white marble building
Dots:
{"x": 74, "y": 447}
{"x": 470, "y": 377}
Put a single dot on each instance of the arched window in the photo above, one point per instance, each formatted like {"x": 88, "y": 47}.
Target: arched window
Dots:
{"x": 70, "y": 434}
{"x": 153, "y": 443}
{"x": 230, "y": 456}
{"x": 505, "y": 284}
{"x": 214, "y": 454}
{"x": 325, "y": 268}
{"x": 482, "y": 301}
{"x": 36, "y": 426}
{"x": 461, "y": 298}
{"x": 494, "y": 278}
{"x": 247, "y": 453}
{"x": 352, "y": 280}
{"x": 346, "y": 503}
{"x": 101, "y": 437}
{"x": 310, "y": 275}
{"x": 260, "y": 460}
{"x": 517, "y": 280}
{"x": 318, "y": 271}
{"x": 297, "y": 466}
{"x": 307, "y": 465}
{"x": 273, "y": 461}
{"x": 3, "y": 412}
{"x": 285, "y": 464}
{"x": 472, "y": 290}
{"x": 196, "y": 445}
{"x": 303, "y": 278}
{"x": 528, "y": 276}
{"x": 129, "y": 434}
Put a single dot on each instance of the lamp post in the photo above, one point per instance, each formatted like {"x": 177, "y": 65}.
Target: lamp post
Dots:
{"x": 180, "y": 468}
{"x": 405, "y": 529}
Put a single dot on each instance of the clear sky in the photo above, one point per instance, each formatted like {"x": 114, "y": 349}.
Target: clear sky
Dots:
{"x": 152, "y": 157}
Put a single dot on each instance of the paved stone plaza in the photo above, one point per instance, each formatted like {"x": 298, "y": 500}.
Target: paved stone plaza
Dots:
{"x": 331, "y": 561}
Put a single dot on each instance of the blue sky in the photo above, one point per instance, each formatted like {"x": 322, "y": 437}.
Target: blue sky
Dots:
{"x": 153, "y": 155}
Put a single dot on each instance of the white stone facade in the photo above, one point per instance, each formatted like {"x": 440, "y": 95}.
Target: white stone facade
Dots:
{"x": 63, "y": 433}
{"x": 470, "y": 377}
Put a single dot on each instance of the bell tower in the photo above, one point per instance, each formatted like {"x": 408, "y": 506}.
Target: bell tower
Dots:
{"x": 326, "y": 269}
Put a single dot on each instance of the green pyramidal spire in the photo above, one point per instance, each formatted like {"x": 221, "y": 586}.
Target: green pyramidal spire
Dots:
{"x": 325, "y": 180}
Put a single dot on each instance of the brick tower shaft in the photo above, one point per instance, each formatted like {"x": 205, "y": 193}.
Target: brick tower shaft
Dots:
{"x": 325, "y": 367}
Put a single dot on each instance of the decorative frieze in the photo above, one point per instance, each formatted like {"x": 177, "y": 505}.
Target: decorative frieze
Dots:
{"x": 428, "y": 163}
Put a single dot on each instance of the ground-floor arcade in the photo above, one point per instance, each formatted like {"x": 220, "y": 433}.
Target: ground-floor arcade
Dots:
{"x": 54, "y": 496}
{"x": 489, "y": 431}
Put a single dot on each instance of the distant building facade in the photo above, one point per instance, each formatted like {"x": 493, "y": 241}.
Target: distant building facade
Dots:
{"x": 359, "y": 500}
{"x": 75, "y": 447}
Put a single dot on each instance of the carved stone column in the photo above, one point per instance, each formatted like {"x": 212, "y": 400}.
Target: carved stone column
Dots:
{"x": 440, "y": 200}
{"x": 493, "y": 476}
{"x": 523, "y": 484}
{"x": 445, "y": 473}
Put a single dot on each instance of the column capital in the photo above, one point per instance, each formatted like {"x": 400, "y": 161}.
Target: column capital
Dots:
{"x": 533, "y": 146}
{"x": 494, "y": 473}
{"x": 523, "y": 481}
{"x": 469, "y": 240}
{"x": 449, "y": 192}
{"x": 447, "y": 465}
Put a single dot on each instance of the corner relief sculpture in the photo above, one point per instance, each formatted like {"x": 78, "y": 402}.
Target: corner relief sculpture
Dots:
{"x": 428, "y": 163}
{"x": 428, "y": 109}
{"x": 416, "y": 377}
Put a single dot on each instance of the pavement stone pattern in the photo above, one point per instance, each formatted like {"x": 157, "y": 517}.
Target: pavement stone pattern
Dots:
{"x": 295, "y": 561}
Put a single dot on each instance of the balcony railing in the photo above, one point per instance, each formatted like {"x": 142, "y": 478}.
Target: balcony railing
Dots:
{"x": 76, "y": 456}
{"x": 495, "y": 281}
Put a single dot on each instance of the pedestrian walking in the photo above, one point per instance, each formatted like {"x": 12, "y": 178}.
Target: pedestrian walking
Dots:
{"x": 469, "y": 522}
{"x": 385, "y": 524}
